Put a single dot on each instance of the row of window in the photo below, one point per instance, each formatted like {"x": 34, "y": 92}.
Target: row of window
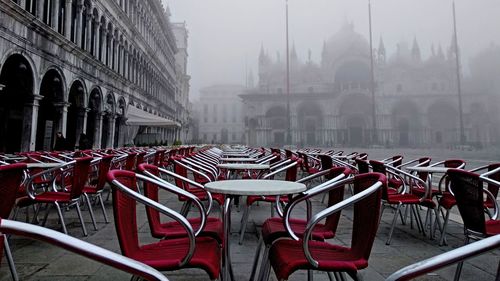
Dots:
{"x": 80, "y": 22}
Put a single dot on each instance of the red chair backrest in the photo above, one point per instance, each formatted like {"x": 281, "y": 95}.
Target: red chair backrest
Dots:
{"x": 424, "y": 175}
{"x": 468, "y": 191}
{"x": 104, "y": 167}
{"x": 326, "y": 161}
{"x": 366, "y": 214}
{"x": 130, "y": 163}
{"x": 335, "y": 196}
{"x": 80, "y": 176}
{"x": 291, "y": 173}
{"x": 124, "y": 209}
{"x": 151, "y": 191}
{"x": 11, "y": 177}
{"x": 363, "y": 166}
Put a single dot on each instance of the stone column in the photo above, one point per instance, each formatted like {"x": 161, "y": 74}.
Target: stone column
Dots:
{"x": 67, "y": 18}
{"x": 89, "y": 32}
{"x": 30, "y": 121}
{"x": 22, "y": 3}
{"x": 111, "y": 51}
{"x": 98, "y": 130}
{"x": 125, "y": 63}
{"x": 97, "y": 37}
{"x": 85, "y": 118}
{"x": 55, "y": 14}
{"x": 39, "y": 10}
{"x": 80, "y": 124}
{"x": 111, "y": 133}
{"x": 62, "y": 109}
{"x": 104, "y": 49}
{"x": 79, "y": 20}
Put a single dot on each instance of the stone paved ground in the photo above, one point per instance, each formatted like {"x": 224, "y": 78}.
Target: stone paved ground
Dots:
{"x": 38, "y": 261}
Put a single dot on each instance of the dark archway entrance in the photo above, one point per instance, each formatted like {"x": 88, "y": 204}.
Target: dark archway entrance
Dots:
{"x": 50, "y": 111}
{"x": 16, "y": 76}
{"x": 76, "y": 113}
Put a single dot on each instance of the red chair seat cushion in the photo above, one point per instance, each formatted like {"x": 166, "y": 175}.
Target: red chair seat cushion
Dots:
{"x": 312, "y": 170}
{"x": 48, "y": 197}
{"x": 492, "y": 227}
{"x": 213, "y": 228}
{"x": 90, "y": 190}
{"x": 167, "y": 254}
{"x": 421, "y": 191}
{"x": 409, "y": 199}
{"x": 447, "y": 201}
{"x": 273, "y": 228}
{"x": 288, "y": 256}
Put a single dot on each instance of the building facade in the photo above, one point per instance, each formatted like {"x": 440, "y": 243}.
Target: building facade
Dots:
{"x": 416, "y": 100}
{"x": 104, "y": 68}
{"x": 219, "y": 115}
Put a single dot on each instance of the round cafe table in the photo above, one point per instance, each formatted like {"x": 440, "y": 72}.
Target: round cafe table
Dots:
{"x": 233, "y": 168}
{"x": 238, "y": 160}
{"x": 235, "y": 188}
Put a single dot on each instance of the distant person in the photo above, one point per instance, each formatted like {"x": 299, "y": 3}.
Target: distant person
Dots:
{"x": 84, "y": 142}
{"x": 60, "y": 144}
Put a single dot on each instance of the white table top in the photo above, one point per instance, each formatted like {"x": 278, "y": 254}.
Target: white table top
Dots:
{"x": 255, "y": 187}
{"x": 238, "y": 159}
{"x": 428, "y": 169}
{"x": 241, "y": 166}
{"x": 44, "y": 165}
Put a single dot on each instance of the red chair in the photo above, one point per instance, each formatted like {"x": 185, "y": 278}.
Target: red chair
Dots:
{"x": 451, "y": 163}
{"x": 138, "y": 270}
{"x": 195, "y": 187}
{"x": 402, "y": 199}
{"x": 164, "y": 255}
{"x": 447, "y": 199}
{"x": 11, "y": 177}
{"x": 211, "y": 228}
{"x": 286, "y": 227}
{"x": 95, "y": 187}
{"x": 469, "y": 195}
{"x": 287, "y": 256}
{"x": 291, "y": 175}
{"x": 77, "y": 171}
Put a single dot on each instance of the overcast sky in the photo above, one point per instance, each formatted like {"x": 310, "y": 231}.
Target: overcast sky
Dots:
{"x": 225, "y": 36}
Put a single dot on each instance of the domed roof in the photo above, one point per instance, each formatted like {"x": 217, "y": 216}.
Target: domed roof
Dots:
{"x": 345, "y": 42}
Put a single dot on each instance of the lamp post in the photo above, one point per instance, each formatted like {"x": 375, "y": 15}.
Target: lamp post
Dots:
{"x": 459, "y": 86}
{"x": 289, "y": 121}
{"x": 372, "y": 77}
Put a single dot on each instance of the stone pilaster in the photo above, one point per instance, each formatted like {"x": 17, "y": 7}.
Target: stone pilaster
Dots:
{"x": 67, "y": 18}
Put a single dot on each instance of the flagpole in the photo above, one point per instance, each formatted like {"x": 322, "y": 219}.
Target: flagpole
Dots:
{"x": 289, "y": 133}
{"x": 459, "y": 84}
{"x": 372, "y": 78}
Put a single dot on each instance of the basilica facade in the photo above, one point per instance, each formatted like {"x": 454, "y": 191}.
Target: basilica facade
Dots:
{"x": 113, "y": 70}
{"x": 331, "y": 104}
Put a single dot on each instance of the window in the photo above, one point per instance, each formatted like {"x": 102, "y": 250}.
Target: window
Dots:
{"x": 224, "y": 114}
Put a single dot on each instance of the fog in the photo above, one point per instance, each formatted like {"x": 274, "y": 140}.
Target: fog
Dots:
{"x": 225, "y": 36}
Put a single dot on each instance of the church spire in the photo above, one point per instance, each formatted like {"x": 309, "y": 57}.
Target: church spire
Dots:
{"x": 415, "y": 51}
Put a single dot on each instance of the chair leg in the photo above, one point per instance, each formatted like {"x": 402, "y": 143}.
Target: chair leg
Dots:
{"x": 331, "y": 276}
{"x": 61, "y": 217}
{"x": 310, "y": 276}
{"x": 91, "y": 211}
{"x": 244, "y": 221}
{"x": 458, "y": 272}
{"x": 10, "y": 259}
{"x": 388, "y": 242}
{"x": 442, "y": 240}
{"x": 105, "y": 214}
{"x": 81, "y": 219}
{"x": 47, "y": 210}
{"x": 260, "y": 244}
{"x": 265, "y": 264}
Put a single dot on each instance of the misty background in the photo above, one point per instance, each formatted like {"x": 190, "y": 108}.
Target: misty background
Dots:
{"x": 225, "y": 36}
